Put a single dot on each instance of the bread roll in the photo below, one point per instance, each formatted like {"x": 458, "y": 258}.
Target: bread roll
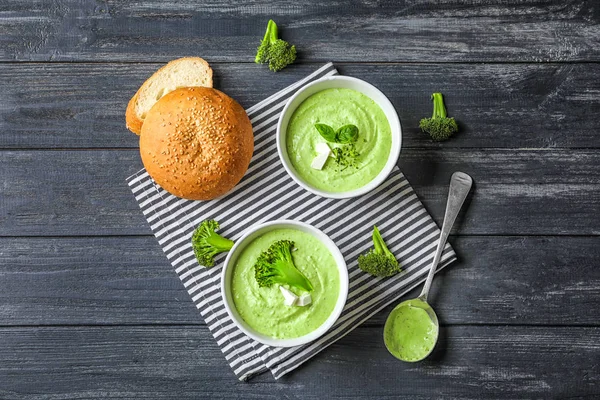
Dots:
{"x": 183, "y": 72}
{"x": 196, "y": 143}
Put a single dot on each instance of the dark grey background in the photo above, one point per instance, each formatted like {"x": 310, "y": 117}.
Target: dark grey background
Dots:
{"x": 89, "y": 305}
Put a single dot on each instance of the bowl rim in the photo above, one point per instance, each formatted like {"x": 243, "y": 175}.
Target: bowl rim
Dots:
{"x": 249, "y": 235}
{"x": 383, "y": 102}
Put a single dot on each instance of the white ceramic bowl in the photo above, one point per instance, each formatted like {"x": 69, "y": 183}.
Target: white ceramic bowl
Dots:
{"x": 231, "y": 259}
{"x": 346, "y": 82}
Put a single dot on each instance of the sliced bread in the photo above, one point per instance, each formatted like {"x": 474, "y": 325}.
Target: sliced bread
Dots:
{"x": 183, "y": 72}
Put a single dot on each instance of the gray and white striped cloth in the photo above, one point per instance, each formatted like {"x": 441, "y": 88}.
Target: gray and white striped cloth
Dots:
{"x": 266, "y": 193}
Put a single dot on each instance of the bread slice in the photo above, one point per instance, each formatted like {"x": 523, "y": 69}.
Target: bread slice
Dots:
{"x": 183, "y": 72}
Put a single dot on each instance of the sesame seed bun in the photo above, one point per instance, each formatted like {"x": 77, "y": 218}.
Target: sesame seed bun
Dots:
{"x": 183, "y": 72}
{"x": 196, "y": 143}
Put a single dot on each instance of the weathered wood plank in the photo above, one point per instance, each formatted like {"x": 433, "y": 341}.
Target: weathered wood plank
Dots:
{"x": 106, "y": 280}
{"x": 548, "y": 281}
{"x": 499, "y": 105}
{"x": 128, "y": 280}
{"x": 184, "y": 362}
{"x": 516, "y": 191}
{"x": 484, "y": 30}
{"x": 69, "y": 193}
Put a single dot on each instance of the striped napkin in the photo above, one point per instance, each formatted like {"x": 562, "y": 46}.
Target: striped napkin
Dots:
{"x": 266, "y": 193}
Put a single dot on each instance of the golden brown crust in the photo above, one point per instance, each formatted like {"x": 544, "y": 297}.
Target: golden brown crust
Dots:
{"x": 132, "y": 121}
{"x": 197, "y": 143}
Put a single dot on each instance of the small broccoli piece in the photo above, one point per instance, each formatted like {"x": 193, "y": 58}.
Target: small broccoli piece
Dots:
{"x": 439, "y": 126}
{"x": 207, "y": 243}
{"x": 275, "y": 265}
{"x": 274, "y": 51}
{"x": 379, "y": 261}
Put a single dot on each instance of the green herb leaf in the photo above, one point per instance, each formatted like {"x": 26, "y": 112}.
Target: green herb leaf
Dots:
{"x": 326, "y": 132}
{"x": 346, "y": 134}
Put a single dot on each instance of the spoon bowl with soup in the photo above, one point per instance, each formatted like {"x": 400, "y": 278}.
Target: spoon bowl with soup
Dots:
{"x": 412, "y": 328}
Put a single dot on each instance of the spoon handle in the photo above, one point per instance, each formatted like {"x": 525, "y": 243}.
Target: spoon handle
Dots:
{"x": 460, "y": 184}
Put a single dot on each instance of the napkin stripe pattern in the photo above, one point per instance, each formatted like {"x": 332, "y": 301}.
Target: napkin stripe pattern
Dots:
{"x": 266, "y": 193}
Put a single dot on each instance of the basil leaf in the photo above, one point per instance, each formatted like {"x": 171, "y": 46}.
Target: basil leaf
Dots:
{"x": 347, "y": 134}
{"x": 326, "y": 131}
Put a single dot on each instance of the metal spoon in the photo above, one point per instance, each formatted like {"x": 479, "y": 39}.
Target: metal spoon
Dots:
{"x": 460, "y": 185}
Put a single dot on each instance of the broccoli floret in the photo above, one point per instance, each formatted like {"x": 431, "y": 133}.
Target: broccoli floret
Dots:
{"x": 275, "y": 265}
{"x": 439, "y": 126}
{"x": 379, "y": 261}
{"x": 278, "y": 53}
{"x": 207, "y": 243}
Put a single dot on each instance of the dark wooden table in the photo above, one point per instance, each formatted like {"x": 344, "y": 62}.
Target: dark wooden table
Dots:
{"x": 89, "y": 305}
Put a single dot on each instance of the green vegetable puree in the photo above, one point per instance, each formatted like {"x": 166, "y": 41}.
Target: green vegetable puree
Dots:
{"x": 409, "y": 332}
{"x": 263, "y": 308}
{"x": 336, "y": 108}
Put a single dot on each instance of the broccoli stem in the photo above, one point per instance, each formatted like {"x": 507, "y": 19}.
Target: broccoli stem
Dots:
{"x": 377, "y": 241}
{"x": 439, "y": 110}
{"x": 219, "y": 242}
{"x": 379, "y": 244}
{"x": 272, "y": 31}
{"x": 293, "y": 277}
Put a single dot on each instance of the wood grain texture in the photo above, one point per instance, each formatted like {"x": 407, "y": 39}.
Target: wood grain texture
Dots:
{"x": 184, "y": 363}
{"x": 500, "y": 105}
{"x": 85, "y": 316}
{"x": 407, "y": 30}
{"x": 110, "y": 281}
{"x": 84, "y": 192}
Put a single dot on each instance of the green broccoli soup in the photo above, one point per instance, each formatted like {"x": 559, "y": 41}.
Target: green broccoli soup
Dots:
{"x": 409, "y": 332}
{"x": 337, "y": 108}
{"x": 263, "y": 308}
